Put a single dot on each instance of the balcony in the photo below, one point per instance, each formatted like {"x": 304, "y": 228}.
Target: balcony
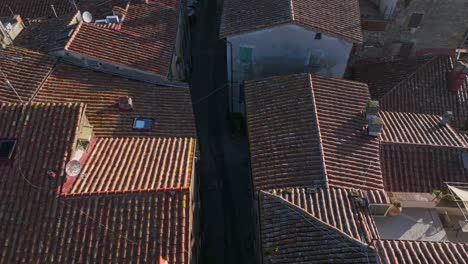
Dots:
{"x": 424, "y": 219}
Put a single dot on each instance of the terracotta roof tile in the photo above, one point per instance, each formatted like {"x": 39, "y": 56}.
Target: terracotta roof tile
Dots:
{"x": 418, "y": 129}
{"x": 283, "y": 133}
{"x": 44, "y": 34}
{"x": 39, "y": 128}
{"x": 101, "y": 8}
{"x": 305, "y": 130}
{"x": 338, "y": 18}
{"x": 335, "y": 207}
{"x": 137, "y": 164}
{"x": 25, "y": 70}
{"x": 122, "y": 48}
{"x": 424, "y": 91}
{"x": 35, "y": 9}
{"x": 39, "y": 226}
{"x": 157, "y": 19}
{"x": 351, "y": 158}
{"x": 169, "y": 107}
{"x": 291, "y": 235}
{"x": 420, "y": 168}
{"x": 382, "y": 77}
{"x": 399, "y": 252}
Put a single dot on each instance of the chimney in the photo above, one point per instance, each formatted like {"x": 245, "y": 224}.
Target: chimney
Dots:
{"x": 457, "y": 76}
{"x": 446, "y": 118}
{"x": 372, "y": 109}
{"x": 125, "y": 103}
{"x": 375, "y": 126}
{"x": 10, "y": 29}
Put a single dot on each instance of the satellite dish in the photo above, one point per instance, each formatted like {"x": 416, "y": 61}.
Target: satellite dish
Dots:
{"x": 87, "y": 17}
{"x": 73, "y": 168}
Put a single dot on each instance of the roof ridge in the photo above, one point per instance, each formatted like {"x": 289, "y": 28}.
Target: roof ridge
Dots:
{"x": 319, "y": 133}
{"x": 122, "y": 192}
{"x": 453, "y": 132}
{"x": 291, "y": 5}
{"x": 75, "y": 32}
{"x": 307, "y": 214}
{"x": 408, "y": 77}
{"x": 424, "y": 145}
{"x": 424, "y": 241}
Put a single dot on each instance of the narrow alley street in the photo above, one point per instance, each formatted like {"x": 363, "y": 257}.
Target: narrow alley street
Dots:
{"x": 227, "y": 223}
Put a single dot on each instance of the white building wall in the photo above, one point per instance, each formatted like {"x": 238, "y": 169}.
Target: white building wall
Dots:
{"x": 284, "y": 49}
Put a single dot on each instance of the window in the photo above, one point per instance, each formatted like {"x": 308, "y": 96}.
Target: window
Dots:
{"x": 143, "y": 123}
{"x": 318, "y": 35}
{"x": 415, "y": 20}
{"x": 246, "y": 54}
{"x": 7, "y": 148}
{"x": 405, "y": 49}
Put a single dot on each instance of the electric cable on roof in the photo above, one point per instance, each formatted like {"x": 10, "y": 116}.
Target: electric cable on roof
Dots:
{"x": 41, "y": 189}
{"x": 10, "y": 85}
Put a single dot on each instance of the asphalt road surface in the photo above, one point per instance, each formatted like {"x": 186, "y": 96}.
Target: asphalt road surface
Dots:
{"x": 226, "y": 218}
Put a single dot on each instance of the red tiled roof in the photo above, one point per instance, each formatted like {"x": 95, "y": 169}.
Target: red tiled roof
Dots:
{"x": 337, "y": 18}
{"x": 292, "y": 235}
{"x": 39, "y": 226}
{"x": 336, "y": 207}
{"x": 425, "y": 91}
{"x": 418, "y": 129}
{"x": 421, "y": 168}
{"x": 169, "y": 107}
{"x": 382, "y": 77}
{"x": 305, "y": 130}
{"x": 137, "y": 164}
{"x": 157, "y": 19}
{"x": 25, "y": 70}
{"x": 122, "y": 48}
{"x": 351, "y": 158}
{"x": 400, "y": 252}
{"x": 283, "y": 133}
{"x": 101, "y": 8}
{"x": 35, "y": 8}
{"x": 40, "y": 128}
{"x": 44, "y": 34}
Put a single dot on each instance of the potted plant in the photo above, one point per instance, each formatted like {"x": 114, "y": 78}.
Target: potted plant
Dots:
{"x": 395, "y": 209}
{"x": 372, "y": 109}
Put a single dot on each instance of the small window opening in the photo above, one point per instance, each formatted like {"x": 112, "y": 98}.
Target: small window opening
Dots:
{"x": 7, "y": 148}
{"x": 246, "y": 54}
{"x": 415, "y": 20}
{"x": 143, "y": 123}
{"x": 318, "y": 35}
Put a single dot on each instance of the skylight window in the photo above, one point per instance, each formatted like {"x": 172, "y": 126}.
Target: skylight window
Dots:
{"x": 7, "y": 148}
{"x": 143, "y": 123}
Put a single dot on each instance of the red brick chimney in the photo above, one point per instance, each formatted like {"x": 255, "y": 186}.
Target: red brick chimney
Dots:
{"x": 457, "y": 76}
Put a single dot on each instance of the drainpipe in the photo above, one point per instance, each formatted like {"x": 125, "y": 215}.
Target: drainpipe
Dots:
{"x": 232, "y": 73}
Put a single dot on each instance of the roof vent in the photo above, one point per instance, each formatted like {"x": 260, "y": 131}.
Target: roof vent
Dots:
{"x": 457, "y": 76}
{"x": 446, "y": 118}
{"x": 112, "y": 19}
{"x": 372, "y": 109}
{"x": 125, "y": 103}
{"x": 375, "y": 126}
{"x": 100, "y": 21}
